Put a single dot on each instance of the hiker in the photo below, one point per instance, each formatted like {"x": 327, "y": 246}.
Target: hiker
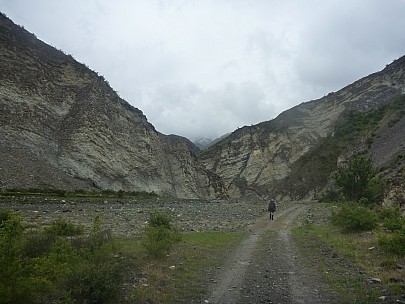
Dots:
{"x": 272, "y": 208}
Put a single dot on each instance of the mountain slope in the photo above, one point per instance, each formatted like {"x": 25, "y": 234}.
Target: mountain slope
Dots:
{"x": 62, "y": 126}
{"x": 260, "y": 159}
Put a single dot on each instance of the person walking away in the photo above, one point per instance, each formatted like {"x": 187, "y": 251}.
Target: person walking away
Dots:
{"x": 272, "y": 208}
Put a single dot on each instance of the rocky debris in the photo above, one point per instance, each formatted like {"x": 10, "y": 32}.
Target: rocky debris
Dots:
{"x": 128, "y": 218}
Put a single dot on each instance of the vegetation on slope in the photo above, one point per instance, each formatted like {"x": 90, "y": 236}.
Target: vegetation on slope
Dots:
{"x": 368, "y": 235}
{"x": 357, "y": 130}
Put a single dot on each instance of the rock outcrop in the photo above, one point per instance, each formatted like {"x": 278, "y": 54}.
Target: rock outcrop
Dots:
{"x": 62, "y": 126}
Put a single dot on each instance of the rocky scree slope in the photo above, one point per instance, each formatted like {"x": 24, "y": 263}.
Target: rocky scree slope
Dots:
{"x": 62, "y": 126}
{"x": 259, "y": 160}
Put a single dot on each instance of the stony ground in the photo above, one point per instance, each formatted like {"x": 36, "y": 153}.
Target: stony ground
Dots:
{"x": 269, "y": 266}
{"x": 128, "y": 217}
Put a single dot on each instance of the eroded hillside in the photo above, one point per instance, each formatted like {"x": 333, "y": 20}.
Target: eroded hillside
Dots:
{"x": 277, "y": 157}
{"x": 64, "y": 127}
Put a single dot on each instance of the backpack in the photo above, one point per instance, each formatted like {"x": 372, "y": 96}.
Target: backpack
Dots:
{"x": 272, "y": 206}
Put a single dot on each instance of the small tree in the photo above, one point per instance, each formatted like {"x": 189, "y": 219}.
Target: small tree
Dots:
{"x": 355, "y": 178}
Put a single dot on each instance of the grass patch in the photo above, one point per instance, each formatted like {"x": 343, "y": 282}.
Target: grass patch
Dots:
{"x": 348, "y": 261}
{"x": 185, "y": 272}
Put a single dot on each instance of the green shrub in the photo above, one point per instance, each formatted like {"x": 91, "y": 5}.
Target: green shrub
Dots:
{"x": 97, "y": 281}
{"x": 354, "y": 218}
{"x": 158, "y": 241}
{"x": 46, "y": 267}
{"x": 391, "y": 218}
{"x": 4, "y": 216}
{"x": 37, "y": 244}
{"x": 62, "y": 227}
{"x": 394, "y": 243}
{"x": 160, "y": 235}
{"x": 160, "y": 219}
{"x": 355, "y": 178}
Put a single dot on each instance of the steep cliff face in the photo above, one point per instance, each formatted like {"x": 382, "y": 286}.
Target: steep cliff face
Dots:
{"x": 261, "y": 158}
{"x": 62, "y": 126}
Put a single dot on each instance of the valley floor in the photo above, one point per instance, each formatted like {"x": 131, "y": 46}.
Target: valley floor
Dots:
{"x": 273, "y": 264}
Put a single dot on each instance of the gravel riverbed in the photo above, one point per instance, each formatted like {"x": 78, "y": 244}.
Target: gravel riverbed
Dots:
{"x": 128, "y": 217}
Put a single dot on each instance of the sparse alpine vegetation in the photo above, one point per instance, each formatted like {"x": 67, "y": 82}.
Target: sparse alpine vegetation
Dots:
{"x": 355, "y": 133}
{"x": 61, "y": 263}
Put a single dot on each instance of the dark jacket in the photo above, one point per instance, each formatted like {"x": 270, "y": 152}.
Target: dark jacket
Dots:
{"x": 272, "y": 206}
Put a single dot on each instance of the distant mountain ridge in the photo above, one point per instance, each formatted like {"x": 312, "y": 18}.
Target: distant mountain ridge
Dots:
{"x": 204, "y": 142}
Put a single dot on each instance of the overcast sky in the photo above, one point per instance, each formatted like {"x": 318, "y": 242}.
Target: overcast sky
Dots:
{"x": 202, "y": 68}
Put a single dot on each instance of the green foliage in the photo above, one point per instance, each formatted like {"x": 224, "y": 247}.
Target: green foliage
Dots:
{"x": 355, "y": 178}
{"x": 160, "y": 219}
{"x": 45, "y": 266}
{"x": 62, "y": 227}
{"x": 4, "y": 216}
{"x": 354, "y": 218}
{"x": 394, "y": 243}
{"x": 160, "y": 235}
{"x": 312, "y": 170}
{"x": 397, "y": 109}
{"x": 391, "y": 219}
{"x": 357, "y": 218}
{"x": 374, "y": 190}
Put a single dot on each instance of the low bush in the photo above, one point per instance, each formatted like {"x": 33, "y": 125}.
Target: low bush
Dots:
{"x": 160, "y": 219}
{"x": 46, "y": 266}
{"x": 4, "y": 216}
{"x": 62, "y": 227}
{"x": 354, "y": 218}
{"x": 394, "y": 243}
{"x": 160, "y": 234}
{"x": 391, "y": 219}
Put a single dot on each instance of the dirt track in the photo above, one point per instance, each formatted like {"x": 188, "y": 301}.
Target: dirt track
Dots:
{"x": 266, "y": 267}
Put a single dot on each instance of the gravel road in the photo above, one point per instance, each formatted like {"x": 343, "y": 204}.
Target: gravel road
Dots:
{"x": 267, "y": 267}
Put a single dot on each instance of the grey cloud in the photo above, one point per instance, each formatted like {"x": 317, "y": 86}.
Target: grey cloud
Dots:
{"x": 194, "y": 112}
{"x": 206, "y": 67}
